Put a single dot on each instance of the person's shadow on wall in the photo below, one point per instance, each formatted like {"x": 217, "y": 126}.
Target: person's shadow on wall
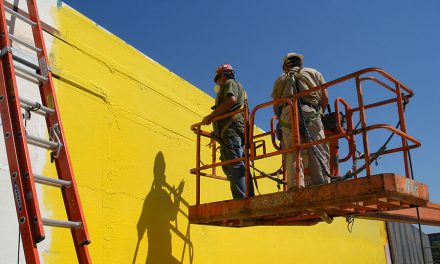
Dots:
{"x": 158, "y": 211}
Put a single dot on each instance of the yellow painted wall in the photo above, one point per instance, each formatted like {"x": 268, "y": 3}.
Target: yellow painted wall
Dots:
{"x": 126, "y": 120}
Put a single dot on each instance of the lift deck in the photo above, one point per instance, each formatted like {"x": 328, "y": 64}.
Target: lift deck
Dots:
{"x": 427, "y": 215}
{"x": 358, "y": 193}
{"x": 308, "y": 206}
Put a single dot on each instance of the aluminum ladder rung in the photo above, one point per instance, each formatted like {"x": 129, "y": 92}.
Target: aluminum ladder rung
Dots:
{"x": 40, "y": 109}
{"x": 25, "y": 62}
{"x": 51, "y": 181}
{"x": 61, "y": 223}
{"x": 22, "y": 69}
{"x": 27, "y": 77}
{"x": 23, "y": 18}
{"x": 43, "y": 143}
{"x": 24, "y": 43}
{"x": 20, "y": 55}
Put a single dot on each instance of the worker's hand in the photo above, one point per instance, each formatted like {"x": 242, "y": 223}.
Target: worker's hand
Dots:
{"x": 206, "y": 120}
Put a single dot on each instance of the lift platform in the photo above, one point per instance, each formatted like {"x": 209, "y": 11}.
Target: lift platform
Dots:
{"x": 358, "y": 193}
{"x": 308, "y": 206}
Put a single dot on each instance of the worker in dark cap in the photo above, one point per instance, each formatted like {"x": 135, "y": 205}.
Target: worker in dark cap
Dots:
{"x": 295, "y": 79}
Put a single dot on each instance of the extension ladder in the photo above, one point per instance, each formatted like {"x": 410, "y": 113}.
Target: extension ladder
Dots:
{"x": 17, "y": 138}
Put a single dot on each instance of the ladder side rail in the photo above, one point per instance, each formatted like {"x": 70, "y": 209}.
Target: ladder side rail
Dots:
{"x": 17, "y": 14}
{"x": 24, "y": 219}
{"x": 63, "y": 162}
{"x": 18, "y": 126}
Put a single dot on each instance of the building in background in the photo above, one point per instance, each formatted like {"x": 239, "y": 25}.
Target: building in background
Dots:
{"x": 434, "y": 241}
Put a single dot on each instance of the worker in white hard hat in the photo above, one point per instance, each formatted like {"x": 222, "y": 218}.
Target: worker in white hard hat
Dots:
{"x": 294, "y": 79}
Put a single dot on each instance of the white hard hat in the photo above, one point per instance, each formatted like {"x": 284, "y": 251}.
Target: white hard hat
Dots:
{"x": 292, "y": 55}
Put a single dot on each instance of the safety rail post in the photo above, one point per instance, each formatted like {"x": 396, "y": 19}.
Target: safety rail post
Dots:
{"x": 283, "y": 166}
{"x": 251, "y": 133}
{"x": 364, "y": 125}
{"x": 213, "y": 155}
{"x": 252, "y": 155}
{"x": 338, "y": 119}
{"x": 334, "y": 144}
{"x": 246, "y": 148}
{"x": 350, "y": 127}
{"x": 403, "y": 129}
{"x": 296, "y": 139}
{"x": 252, "y": 123}
{"x": 198, "y": 166}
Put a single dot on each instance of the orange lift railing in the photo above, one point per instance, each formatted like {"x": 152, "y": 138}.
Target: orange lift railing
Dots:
{"x": 201, "y": 133}
{"x": 400, "y": 95}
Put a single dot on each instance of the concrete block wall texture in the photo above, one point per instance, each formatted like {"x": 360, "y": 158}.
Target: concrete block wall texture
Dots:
{"x": 126, "y": 120}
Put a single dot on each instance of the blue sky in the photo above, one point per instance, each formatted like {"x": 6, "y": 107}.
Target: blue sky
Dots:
{"x": 191, "y": 38}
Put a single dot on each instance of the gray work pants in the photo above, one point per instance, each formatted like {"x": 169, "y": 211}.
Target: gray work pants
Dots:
{"x": 316, "y": 130}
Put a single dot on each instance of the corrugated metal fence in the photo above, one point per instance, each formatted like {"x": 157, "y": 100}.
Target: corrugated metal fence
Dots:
{"x": 405, "y": 244}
